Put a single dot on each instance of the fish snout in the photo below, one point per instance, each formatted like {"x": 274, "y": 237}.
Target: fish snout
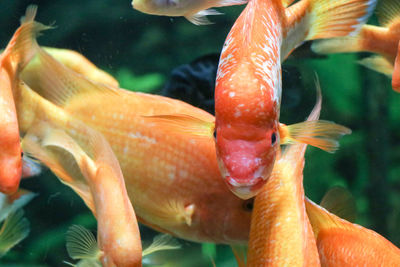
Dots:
{"x": 245, "y": 175}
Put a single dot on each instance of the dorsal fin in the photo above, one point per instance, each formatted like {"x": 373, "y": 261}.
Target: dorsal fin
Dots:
{"x": 81, "y": 243}
{"x": 388, "y": 12}
{"x": 59, "y": 84}
{"x": 340, "y": 202}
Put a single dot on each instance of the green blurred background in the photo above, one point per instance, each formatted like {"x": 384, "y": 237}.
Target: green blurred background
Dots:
{"x": 141, "y": 50}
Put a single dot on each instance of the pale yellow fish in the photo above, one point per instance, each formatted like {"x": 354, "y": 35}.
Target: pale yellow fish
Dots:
{"x": 193, "y": 10}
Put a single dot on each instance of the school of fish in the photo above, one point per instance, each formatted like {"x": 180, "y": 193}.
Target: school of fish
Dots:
{"x": 156, "y": 159}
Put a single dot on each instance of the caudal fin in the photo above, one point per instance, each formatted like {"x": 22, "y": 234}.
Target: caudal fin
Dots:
{"x": 334, "y": 18}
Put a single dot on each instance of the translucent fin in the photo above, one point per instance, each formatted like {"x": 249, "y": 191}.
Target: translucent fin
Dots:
{"x": 81, "y": 243}
{"x": 161, "y": 242}
{"x": 200, "y": 17}
{"x": 388, "y": 12}
{"x": 174, "y": 212}
{"x": 334, "y": 18}
{"x": 221, "y": 3}
{"x": 340, "y": 202}
{"x": 321, "y": 134}
{"x": 60, "y": 162}
{"x": 378, "y": 63}
{"x": 338, "y": 45}
{"x": 396, "y": 72}
{"x": 59, "y": 84}
{"x": 11, "y": 203}
{"x": 22, "y": 46}
{"x": 184, "y": 124}
{"x": 240, "y": 253}
{"x": 14, "y": 229}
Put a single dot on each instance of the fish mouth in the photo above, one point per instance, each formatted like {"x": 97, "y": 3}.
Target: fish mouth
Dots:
{"x": 245, "y": 190}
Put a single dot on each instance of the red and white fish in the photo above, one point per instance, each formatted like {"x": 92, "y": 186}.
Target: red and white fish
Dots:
{"x": 382, "y": 40}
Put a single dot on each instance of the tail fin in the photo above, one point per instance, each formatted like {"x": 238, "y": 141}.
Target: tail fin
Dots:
{"x": 15, "y": 228}
{"x": 334, "y": 18}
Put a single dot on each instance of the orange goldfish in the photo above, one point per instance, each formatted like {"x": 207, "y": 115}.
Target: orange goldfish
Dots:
{"x": 11, "y": 63}
{"x": 341, "y": 243}
{"x": 118, "y": 231}
{"x": 193, "y": 10}
{"x": 176, "y": 164}
{"x": 382, "y": 40}
{"x": 248, "y": 86}
{"x": 280, "y": 233}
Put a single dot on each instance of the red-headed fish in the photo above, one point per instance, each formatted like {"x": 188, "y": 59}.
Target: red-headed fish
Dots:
{"x": 280, "y": 233}
{"x": 341, "y": 243}
{"x": 176, "y": 164}
{"x": 382, "y": 40}
{"x": 248, "y": 86}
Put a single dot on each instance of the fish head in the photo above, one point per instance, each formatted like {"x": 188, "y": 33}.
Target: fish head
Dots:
{"x": 246, "y": 156}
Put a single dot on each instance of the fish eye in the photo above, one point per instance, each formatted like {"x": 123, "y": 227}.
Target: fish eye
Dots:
{"x": 273, "y": 139}
{"x": 248, "y": 204}
{"x": 22, "y": 153}
{"x": 215, "y": 134}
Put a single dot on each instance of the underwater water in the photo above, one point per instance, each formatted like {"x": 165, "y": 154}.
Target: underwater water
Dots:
{"x": 141, "y": 51}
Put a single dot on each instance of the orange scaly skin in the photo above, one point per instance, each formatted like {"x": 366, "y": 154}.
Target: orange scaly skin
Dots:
{"x": 248, "y": 84}
{"x": 341, "y": 243}
{"x": 10, "y": 148}
{"x": 163, "y": 170}
{"x": 280, "y": 233}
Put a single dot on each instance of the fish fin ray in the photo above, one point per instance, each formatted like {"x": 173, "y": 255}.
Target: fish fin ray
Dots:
{"x": 335, "y": 18}
{"x": 81, "y": 243}
{"x": 161, "y": 242}
{"x": 174, "y": 212}
{"x": 388, "y": 13}
{"x": 200, "y": 18}
{"x": 185, "y": 124}
{"x": 340, "y": 202}
{"x": 14, "y": 229}
{"x": 59, "y": 161}
{"x": 378, "y": 64}
{"x": 321, "y": 134}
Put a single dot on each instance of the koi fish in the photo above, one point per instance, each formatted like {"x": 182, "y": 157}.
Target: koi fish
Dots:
{"x": 248, "y": 86}
{"x": 193, "y": 10}
{"x": 118, "y": 230}
{"x": 280, "y": 232}
{"x": 342, "y": 243}
{"x": 82, "y": 245}
{"x": 177, "y": 164}
{"x": 10, "y": 65}
{"x": 382, "y": 40}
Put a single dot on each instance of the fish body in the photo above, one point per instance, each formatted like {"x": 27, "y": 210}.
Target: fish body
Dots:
{"x": 163, "y": 170}
{"x": 248, "y": 85}
{"x": 381, "y": 40}
{"x": 341, "y": 243}
{"x": 118, "y": 231}
{"x": 280, "y": 233}
{"x": 193, "y": 10}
